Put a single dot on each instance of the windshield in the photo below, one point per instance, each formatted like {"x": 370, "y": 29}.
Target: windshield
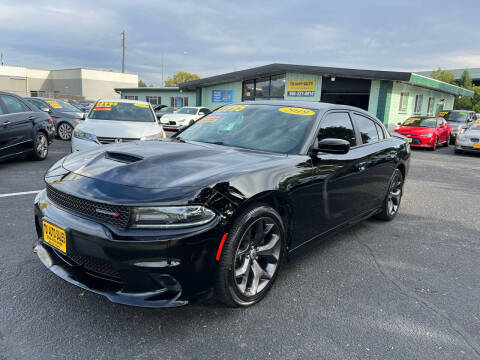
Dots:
{"x": 259, "y": 127}
{"x": 457, "y": 116}
{"x": 421, "y": 122}
{"x": 62, "y": 106}
{"x": 120, "y": 111}
{"x": 187, "y": 110}
{"x": 475, "y": 126}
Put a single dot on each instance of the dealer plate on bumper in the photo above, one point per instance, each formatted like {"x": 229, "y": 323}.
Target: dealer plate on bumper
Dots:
{"x": 476, "y": 146}
{"x": 55, "y": 236}
{"x": 409, "y": 140}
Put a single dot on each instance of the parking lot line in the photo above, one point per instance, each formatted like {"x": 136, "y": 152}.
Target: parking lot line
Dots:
{"x": 20, "y": 193}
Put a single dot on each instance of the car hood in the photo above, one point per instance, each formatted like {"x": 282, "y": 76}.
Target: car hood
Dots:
{"x": 414, "y": 130}
{"x": 474, "y": 133}
{"x": 176, "y": 117}
{"x": 123, "y": 129}
{"x": 162, "y": 164}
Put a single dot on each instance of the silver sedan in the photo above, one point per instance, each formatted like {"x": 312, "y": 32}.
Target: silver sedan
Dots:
{"x": 469, "y": 139}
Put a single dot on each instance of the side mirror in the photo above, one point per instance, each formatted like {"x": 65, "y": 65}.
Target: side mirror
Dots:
{"x": 201, "y": 113}
{"x": 332, "y": 146}
{"x": 45, "y": 109}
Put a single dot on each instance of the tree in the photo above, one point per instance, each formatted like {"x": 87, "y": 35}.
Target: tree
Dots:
{"x": 142, "y": 83}
{"x": 180, "y": 77}
{"x": 443, "y": 75}
{"x": 466, "y": 80}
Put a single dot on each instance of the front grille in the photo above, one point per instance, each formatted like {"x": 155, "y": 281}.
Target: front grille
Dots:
{"x": 475, "y": 140}
{"x": 116, "y": 215}
{"x": 172, "y": 123}
{"x": 416, "y": 141}
{"x": 111, "y": 140}
{"x": 93, "y": 264}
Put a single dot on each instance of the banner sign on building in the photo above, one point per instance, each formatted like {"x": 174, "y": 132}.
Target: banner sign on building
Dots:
{"x": 301, "y": 88}
{"x": 222, "y": 96}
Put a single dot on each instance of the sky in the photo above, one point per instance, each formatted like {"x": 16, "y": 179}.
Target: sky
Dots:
{"x": 209, "y": 37}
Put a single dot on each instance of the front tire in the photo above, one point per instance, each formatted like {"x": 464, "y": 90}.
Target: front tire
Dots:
{"x": 40, "y": 147}
{"x": 64, "y": 131}
{"x": 445, "y": 144}
{"x": 251, "y": 257}
{"x": 435, "y": 144}
{"x": 391, "y": 203}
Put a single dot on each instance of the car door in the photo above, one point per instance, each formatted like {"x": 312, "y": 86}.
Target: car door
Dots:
{"x": 17, "y": 125}
{"x": 376, "y": 163}
{"x": 333, "y": 194}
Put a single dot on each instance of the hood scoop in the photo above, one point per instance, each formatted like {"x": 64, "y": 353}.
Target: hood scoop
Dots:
{"x": 122, "y": 157}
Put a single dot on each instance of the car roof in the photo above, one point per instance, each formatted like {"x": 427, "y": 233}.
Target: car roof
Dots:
{"x": 307, "y": 104}
{"x": 124, "y": 101}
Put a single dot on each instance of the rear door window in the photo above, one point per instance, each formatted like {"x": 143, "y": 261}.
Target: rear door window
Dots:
{"x": 13, "y": 105}
{"x": 368, "y": 129}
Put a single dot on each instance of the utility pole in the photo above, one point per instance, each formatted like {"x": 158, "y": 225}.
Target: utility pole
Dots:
{"x": 123, "y": 51}
{"x": 1, "y": 58}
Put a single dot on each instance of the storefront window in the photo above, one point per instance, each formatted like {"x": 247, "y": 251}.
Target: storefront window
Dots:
{"x": 272, "y": 87}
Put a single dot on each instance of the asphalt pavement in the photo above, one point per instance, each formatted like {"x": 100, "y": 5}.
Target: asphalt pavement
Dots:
{"x": 406, "y": 289}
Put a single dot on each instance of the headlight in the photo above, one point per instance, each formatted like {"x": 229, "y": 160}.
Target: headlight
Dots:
{"x": 462, "y": 137}
{"x": 79, "y": 134}
{"x": 170, "y": 217}
{"x": 427, "y": 135}
{"x": 158, "y": 136}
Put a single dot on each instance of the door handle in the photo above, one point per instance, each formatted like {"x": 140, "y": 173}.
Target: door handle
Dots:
{"x": 5, "y": 123}
{"x": 361, "y": 166}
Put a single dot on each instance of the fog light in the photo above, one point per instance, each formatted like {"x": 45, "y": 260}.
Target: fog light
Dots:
{"x": 43, "y": 255}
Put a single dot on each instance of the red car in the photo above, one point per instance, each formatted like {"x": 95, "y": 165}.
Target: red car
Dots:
{"x": 425, "y": 131}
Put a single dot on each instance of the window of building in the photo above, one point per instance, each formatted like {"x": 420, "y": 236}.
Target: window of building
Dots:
{"x": 367, "y": 127}
{"x": 154, "y": 100}
{"x": 131, "y": 97}
{"x": 418, "y": 104}
{"x": 270, "y": 87}
{"x": 431, "y": 104}
{"x": 337, "y": 125}
{"x": 185, "y": 101}
{"x": 403, "y": 102}
{"x": 34, "y": 93}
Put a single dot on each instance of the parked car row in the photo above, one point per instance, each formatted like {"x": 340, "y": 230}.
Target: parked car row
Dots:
{"x": 448, "y": 127}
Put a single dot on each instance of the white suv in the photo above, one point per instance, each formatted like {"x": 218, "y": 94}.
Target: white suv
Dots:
{"x": 117, "y": 120}
{"x": 186, "y": 115}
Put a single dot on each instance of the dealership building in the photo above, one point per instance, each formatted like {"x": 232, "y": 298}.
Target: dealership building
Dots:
{"x": 392, "y": 96}
{"x": 169, "y": 96}
{"x": 77, "y": 83}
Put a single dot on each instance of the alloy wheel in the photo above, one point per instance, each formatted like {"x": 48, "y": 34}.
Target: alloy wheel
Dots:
{"x": 42, "y": 145}
{"x": 395, "y": 194}
{"x": 65, "y": 131}
{"x": 257, "y": 256}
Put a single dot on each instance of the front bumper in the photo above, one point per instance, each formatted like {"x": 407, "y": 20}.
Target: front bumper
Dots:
{"x": 163, "y": 270}
{"x": 419, "y": 141}
{"x": 467, "y": 146}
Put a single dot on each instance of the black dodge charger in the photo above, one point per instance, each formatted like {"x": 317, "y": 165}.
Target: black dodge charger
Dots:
{"x": 216, "y": 208}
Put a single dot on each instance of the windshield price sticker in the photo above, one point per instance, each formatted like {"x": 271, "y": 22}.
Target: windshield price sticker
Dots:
{"x": 106, "y": 103}
{"x": 211, "y": 118}
{"x": 141, "y": 105}
{"x": 236, "y": 108}
{"x": 53, "y": 104}
{"x": 297, "y": 111}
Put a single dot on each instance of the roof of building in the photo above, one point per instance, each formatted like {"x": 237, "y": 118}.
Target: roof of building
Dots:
{"x": 171, "y": 88}
{"x": 277, "y": 69}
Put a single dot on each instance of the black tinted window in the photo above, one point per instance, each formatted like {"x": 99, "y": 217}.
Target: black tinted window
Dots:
{"x": 37, "y": 103}
{"x": 338, "y": 126}
{"x": 13, "y": 105}
{"x": 368, "y": 130}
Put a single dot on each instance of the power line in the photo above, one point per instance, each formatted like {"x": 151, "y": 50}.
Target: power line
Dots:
{"x": 123, "y": 51}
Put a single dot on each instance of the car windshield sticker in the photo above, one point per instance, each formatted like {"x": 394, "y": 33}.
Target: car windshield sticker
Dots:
{"x": 102, "y": 108}
{"x": 106, "y": 103}
{"x": 53, "y": 104}
{"x": 141, "y": 105}
{"x": 409, "y": 121}
{"x": 463, "y": 113}
{"x": 211, "y": 118}
{"x": 442, "y": 113}
{"x": 297, "y": 111}
{"x": 431, "y": 120}
{"x": 237, "y": 108}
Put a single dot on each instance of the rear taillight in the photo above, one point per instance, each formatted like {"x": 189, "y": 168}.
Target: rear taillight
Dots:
{"x": 50, "y": 120}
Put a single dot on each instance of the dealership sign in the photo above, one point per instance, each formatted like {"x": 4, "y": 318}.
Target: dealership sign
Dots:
{"x": 301, "y": 88}
{"x": 222, "y": 96}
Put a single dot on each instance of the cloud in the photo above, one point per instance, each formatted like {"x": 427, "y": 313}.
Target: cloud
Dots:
{"x": 211, "y": 37}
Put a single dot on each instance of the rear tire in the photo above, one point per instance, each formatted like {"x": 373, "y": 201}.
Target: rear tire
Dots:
{"x": 458, "y": 151}
{"x": 40, "y": 147}
{"x": 445, "y": 144}
{"x": 251, "y": 257}
{"x": 64, "y": 131}
{"x": 391, "y": 203}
